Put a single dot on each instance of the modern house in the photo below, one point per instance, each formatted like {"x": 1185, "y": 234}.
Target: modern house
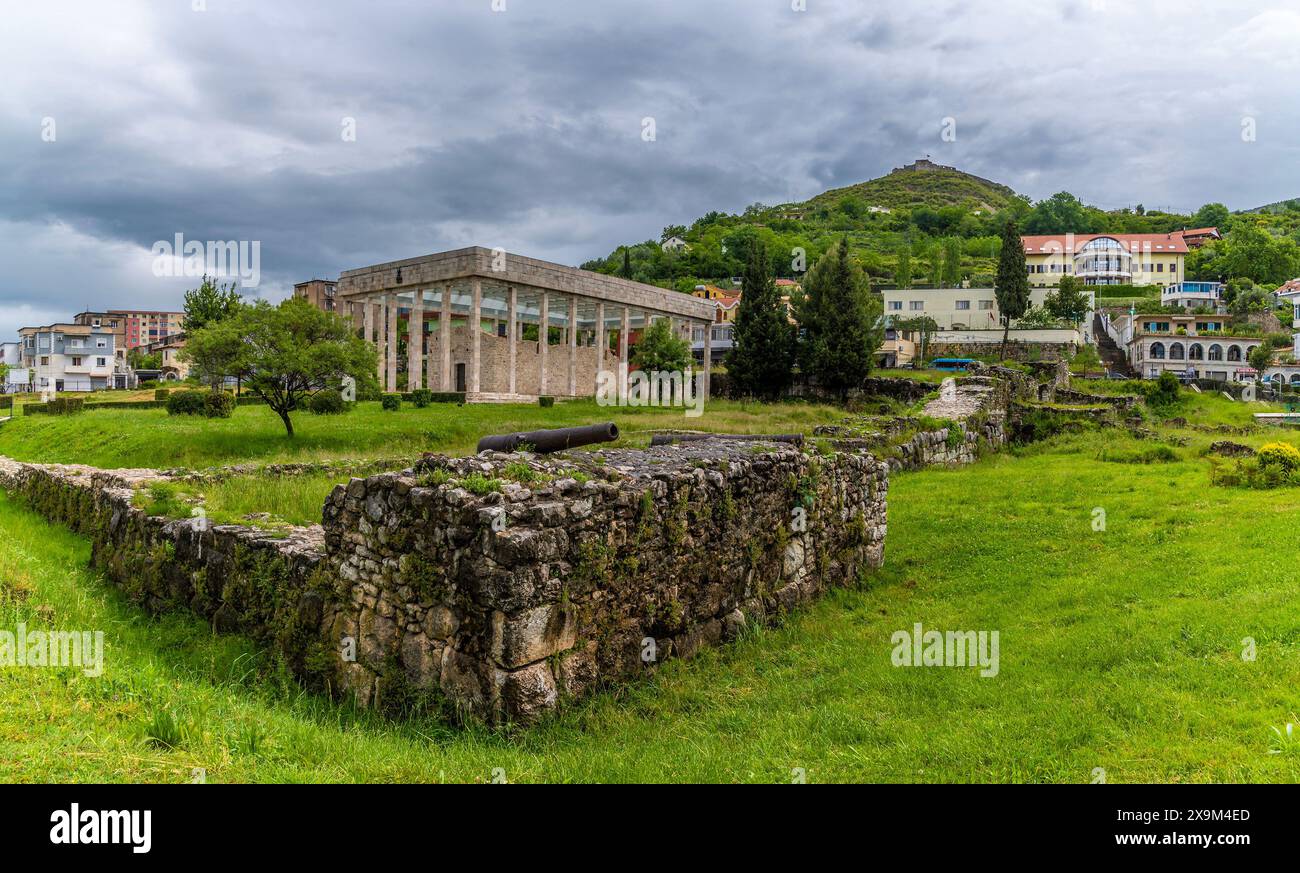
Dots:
{"x": 1194, "y": 295}
{"x": 115, "y": 324}
{"x": 1108, "y": 259}
{"x": 171, "y": 367}
{"x": 958, "y": 309}
{"x": 71, "y": 357}
{"x": 1193, "y": 346}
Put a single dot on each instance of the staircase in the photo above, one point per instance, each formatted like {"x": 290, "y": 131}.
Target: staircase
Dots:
{"x": 1112, "y": 356}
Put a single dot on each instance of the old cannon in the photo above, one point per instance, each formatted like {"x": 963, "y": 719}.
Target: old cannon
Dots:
{"x": 546, "y": 441}
{"x": 667, "y": 439}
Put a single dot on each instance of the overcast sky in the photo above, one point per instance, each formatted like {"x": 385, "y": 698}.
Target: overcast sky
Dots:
{"x": 125, "y": 123}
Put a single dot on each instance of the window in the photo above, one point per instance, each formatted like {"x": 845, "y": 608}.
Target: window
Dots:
{"x": 1160, "y": 268}
{"x": 896, "y": 305}
{"x": 916, "y": 305}
{"x": 963, "y": 304}
{"x": 986, "y": 304}
{"x": 76, "y": 362}
{"x": 101, "y": 362}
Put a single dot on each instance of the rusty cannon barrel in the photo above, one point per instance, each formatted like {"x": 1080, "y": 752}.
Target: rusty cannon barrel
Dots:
{"x": 667, "y": 439}
{"x": 546, "y": 441}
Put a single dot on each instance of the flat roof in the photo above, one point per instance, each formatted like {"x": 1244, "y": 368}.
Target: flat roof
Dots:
{"x": 503, "y": 268}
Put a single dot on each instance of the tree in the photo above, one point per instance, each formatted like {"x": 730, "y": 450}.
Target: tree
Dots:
{"x": 951, "y": 273}
{"x": 627, "y": 263}
{"x": 1211, "y": 215}
{"x": 761, "y": 360}
{"x": 283, "y": 354}
{"x": 1060, "y": 213}
{"x": 841, "y": 323}
{"x": 924, "y": 327}
{"x": 4, "y": 374}
{"x": 903, "y": 272}
{"x": 138, "y": 360}
{"x": 1011, "y": 287}
{"x": 1069, "y": 302}
{"x": 1261, "y": 357}
{"x": 210, "y": 302}
{"x": 660, "y": 350}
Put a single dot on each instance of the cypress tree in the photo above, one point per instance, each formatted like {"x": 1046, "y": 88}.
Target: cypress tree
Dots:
{"x": 841, "y": 323}
{"x": 761, "y": 360}
{"x": 1011, "y": 288}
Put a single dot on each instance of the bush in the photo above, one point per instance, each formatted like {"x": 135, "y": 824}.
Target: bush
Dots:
{"x": 148, "y": 383}
{"x": 186, "y": 403}
{"x": 327, "y": 402}
{"x": 392, "y": 402}
{"x": 64, "y": 406}
{"x": 421, "y": 397}
{"x": 161, "y": 393}
{"x": 545, "y": 401}
{"x": 1284, "y": 456}
{"x": 1164, "y": 392}
{"x": 218, "y": 404}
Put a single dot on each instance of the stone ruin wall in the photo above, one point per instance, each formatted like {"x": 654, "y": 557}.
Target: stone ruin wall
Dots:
{"x": 502, "y": 585}
{"x": 511, "y": 601}
{"x": 500, "y": 604}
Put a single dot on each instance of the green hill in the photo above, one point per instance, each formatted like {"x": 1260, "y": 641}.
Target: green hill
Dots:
{"x": 923, "y": 184}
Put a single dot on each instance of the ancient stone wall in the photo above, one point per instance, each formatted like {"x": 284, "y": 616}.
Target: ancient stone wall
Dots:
{"x": 586, "y": 569}
{"x": 499, "y": 585}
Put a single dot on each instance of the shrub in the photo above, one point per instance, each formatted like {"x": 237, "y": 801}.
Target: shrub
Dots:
{"x": 161, "y": 393}
{"x": 1150, "y": 455}
{"x": 545, "y": 401}
{"x": 327, "y": 402}
{"x": 392, "y": 402}
{"x": 1164, "y": 392}
{"x": 218, "y": 404}
{"x": 421, "y": 397}
{"x": 148, "y": 383}
{"x": 1284, "y": 456}
{"x": 65, "y": 406}
{"x": 187, "y": 403}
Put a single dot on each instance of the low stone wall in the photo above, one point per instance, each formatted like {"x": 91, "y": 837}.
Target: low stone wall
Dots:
{"x": 1123, "y": 402}
{"x": 266, "y": 585}
{"x": 509, "y": 601}
{"x": 498, "y": 585}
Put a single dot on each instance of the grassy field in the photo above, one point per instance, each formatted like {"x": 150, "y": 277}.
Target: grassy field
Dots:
{"x": 151, "y": 438}
{"x": 1120, "y": 649}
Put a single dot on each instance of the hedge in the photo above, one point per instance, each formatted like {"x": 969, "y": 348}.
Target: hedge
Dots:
{"x": 57, "y": 406}
{"x": 436, "y": 396}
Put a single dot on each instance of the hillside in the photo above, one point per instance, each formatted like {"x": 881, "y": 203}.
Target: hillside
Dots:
{"x": 1291, "y": 205}
{"x": 926, "y": 224}
{"x": 922, "y": 184}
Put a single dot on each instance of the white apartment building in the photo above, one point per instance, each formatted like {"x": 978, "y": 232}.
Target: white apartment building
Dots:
{"x": 71, "y": 357}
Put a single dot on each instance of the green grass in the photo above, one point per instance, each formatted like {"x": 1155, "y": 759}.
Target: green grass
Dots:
{"x": 1120, "y": 649}
{"x": 151, "y": 438}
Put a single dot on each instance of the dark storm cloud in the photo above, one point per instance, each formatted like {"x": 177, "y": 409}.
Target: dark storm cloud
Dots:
{"x": 523, "y": 128}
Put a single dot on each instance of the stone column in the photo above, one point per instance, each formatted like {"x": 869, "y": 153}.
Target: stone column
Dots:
{"x": 476, "y": 337}
{"x": 512, "y": 331}
{"x": 391, "y": 349}
{"x": 622, "y": 354}
{"x": 444, "y": 331}
{"x": 573, "y": 346}
{"x": 543, "y": 337}
{"x": 381, "y": 342}
{"x": 708, "y": 357}
{"x": 415, "y": 343}
{"x": 368, "y": 323}
{"x": 602, "y": 340}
